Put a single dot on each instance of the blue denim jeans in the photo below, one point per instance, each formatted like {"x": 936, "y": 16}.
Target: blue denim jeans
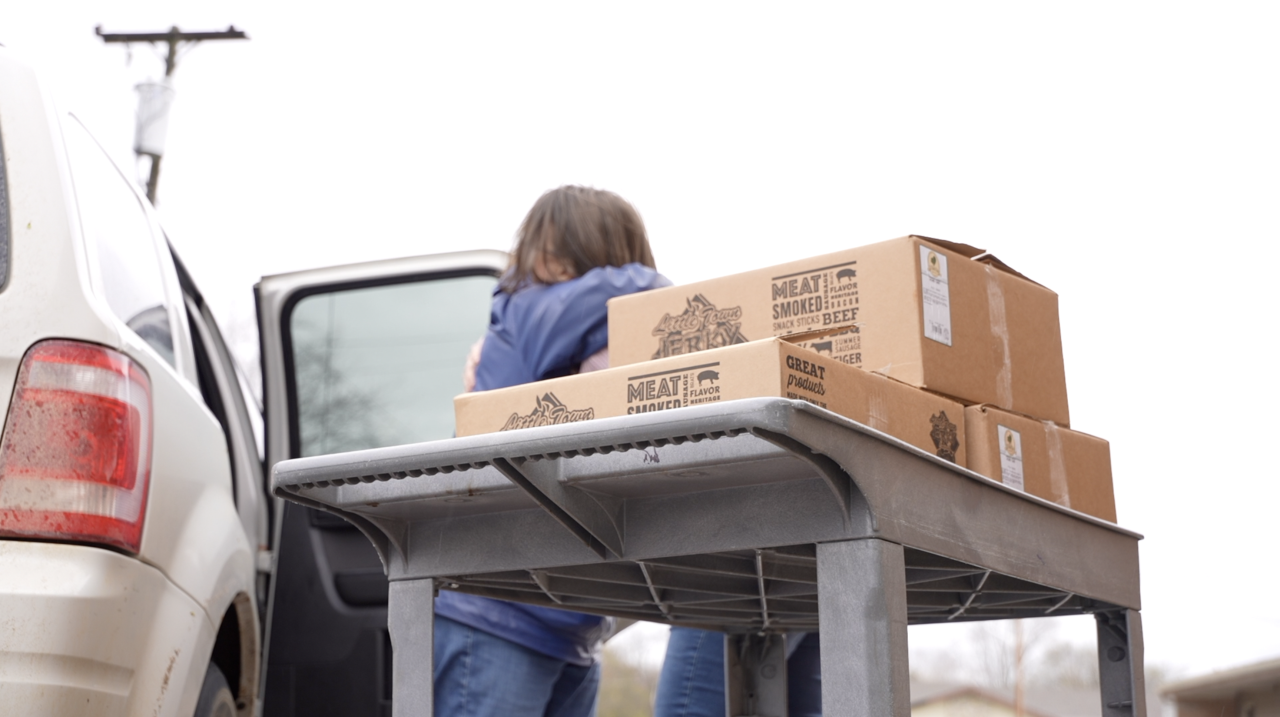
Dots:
{"x": 692, "y": 680}
{"x": 481, "y": 675}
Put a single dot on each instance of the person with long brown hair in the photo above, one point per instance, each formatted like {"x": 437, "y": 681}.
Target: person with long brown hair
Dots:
{"x": 576, "y": 249}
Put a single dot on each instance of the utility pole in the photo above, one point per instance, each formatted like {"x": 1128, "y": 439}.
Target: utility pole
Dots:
{"x": 153, "y": 103}
{"x": 1019, "y": 672}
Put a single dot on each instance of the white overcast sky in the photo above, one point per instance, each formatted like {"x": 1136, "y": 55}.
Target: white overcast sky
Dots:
{"x": 1125, "y": 155}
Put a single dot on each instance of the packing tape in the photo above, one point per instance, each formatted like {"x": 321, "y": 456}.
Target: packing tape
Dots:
{"x": 878, "y": 410}
{"x": 1000, "y": 329}
{"x": 1057, "y": 465}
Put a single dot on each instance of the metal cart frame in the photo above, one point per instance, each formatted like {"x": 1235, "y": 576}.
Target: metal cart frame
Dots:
{"x": 753, "y": 517}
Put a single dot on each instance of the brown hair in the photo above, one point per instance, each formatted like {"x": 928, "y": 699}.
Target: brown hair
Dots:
{"x": 582, "y": 227}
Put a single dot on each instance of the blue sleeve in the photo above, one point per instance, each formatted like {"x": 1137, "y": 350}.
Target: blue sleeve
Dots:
{"x": 573, "y": 321}
{"x": 543, "y": 331}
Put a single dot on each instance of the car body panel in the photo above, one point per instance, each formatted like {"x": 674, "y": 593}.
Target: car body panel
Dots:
{"x": 88, "y": 631}
{"x": 250, "y": 499}
{"x": 45, "y": 269}
{"x": 195, "y": 559}
{"x": 126, "y": 634}
{"x": 190, "y": 506}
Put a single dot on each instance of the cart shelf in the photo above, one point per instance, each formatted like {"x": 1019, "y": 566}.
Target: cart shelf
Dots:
{"x": 753, "y": 517}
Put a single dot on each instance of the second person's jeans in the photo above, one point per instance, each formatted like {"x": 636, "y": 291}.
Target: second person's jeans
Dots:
{"x": 692, "y": 679}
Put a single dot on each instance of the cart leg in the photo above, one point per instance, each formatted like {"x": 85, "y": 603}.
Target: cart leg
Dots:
{"x": 1120, "y": 667}
{"x": 411, "y": 620}
{"x": 862, "y": 622}
{"x": 755, "y": 675}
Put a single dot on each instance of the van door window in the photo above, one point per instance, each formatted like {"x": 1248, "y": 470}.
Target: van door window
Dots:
{"x": 379, "y": 366}
{"x": 124, "y": 255}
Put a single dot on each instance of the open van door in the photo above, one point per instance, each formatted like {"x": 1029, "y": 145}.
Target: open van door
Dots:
{"x": 353, "y": 357}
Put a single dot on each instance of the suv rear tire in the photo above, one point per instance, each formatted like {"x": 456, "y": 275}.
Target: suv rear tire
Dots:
{"x": 216, "y": 699}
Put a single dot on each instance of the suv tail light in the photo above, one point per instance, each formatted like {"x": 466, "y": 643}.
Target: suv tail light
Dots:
{"x": 75, "y": 459}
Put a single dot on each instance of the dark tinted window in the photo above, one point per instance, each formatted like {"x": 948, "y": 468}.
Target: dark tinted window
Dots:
{"x": 124, "y": 255}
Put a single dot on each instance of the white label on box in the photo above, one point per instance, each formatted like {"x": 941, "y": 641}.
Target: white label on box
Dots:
{"x": 1010, "y": 457}
{"x": 936, "y": 294}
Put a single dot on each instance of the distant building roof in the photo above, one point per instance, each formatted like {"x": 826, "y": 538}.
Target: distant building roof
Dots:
{"x": 1226, "y": 683}
{"x": 1040, "y": 701}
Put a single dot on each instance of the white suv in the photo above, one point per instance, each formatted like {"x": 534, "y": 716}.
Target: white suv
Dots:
{"x": 143, "y": 570}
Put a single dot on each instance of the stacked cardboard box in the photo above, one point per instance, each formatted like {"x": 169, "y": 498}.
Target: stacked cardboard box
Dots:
{"x": 1067, "y": 467}
{"x": 770, "y": 367}
{"x": 918, "y": 310}
{"x": 934, "y": 327}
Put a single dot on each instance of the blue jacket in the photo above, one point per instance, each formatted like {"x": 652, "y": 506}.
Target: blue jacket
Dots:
{"x": 539, "y": 332}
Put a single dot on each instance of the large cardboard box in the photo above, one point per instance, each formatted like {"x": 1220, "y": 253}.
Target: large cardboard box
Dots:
{"x": 1066, "y": 467}
{"x": 760, "y": 368}
{"x": 934, "y": 314}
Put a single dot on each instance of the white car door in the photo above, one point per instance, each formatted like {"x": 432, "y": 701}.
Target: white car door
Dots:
{"x": 356, "y": 356}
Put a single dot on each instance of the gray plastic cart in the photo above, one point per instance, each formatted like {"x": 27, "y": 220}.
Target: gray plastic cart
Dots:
{"x": 752, "y": 517}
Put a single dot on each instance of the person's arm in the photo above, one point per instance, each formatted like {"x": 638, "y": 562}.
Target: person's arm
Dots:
{"x": 469, "y": 368}
{"x": 597, "y": 361}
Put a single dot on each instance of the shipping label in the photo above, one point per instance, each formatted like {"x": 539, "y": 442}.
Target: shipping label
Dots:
{"x": 936, "y": 295}
{"x": 1010, "y": 457}
{"x": 699, "y": 327}
{"x": 822, "y": 297}
{"x": 675, "y": 388}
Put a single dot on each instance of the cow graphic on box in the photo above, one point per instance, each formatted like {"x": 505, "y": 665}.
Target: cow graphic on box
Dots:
{"x": 699, "y": 327}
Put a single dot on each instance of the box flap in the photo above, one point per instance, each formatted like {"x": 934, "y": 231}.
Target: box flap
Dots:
{"x": 981, "y": 256}
{"x": 992, "y": 260}
{"x": 992, "y": 408}
{"x": 803, "y": 336}
{"x": 962, "y": 249}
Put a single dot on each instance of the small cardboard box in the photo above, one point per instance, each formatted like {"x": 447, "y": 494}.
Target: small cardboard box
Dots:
{"x": 770, "y": 367}
{"x": 1066, "y": 467}
{"x": 934, "y": 314}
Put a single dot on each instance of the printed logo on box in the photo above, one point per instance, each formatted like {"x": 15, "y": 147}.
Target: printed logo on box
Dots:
{"x": 945, "y": 436}
{"x": 935, "y": 267}
{"x": 845, "y": 346}
{"x": 676, "y": 388}
{"x": 1011, "y": 457}
{"x": 807, "y": 300}
{"x": 699, "y": 327}
{"x": 549, "y": 411}
{"x": 807, "y": 377}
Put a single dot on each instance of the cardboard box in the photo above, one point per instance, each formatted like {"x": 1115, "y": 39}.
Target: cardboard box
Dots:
{"x": 930, "y": 313}
{"x": 760, "y": 368}
{"x": 1066, "y": 467}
